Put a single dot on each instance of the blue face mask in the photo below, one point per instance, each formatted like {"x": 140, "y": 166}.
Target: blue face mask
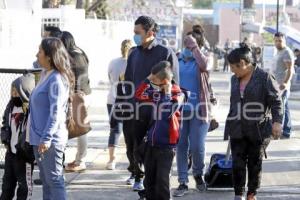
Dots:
{"x": 137, "y": 39}
{"x": 187, "y": 53}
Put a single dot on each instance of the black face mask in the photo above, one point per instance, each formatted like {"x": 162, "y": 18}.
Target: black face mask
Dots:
{"x": 17, "y": 101}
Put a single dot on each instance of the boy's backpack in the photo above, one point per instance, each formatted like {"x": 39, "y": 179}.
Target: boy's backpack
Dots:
{"x": 219, "y": 173}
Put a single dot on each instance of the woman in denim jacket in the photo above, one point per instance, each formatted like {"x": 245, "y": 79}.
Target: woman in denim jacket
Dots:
{"x": 48, "y": 113}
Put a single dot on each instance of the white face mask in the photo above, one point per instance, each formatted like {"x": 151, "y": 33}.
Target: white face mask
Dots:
{"x": 155, "y": 87}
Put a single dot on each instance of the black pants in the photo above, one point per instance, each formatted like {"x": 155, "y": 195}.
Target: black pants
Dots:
{"x": 246, "y": 153}
{"x": 14, "y": 173}
{"x": 129, "y": 141}
{"x": 158, "y": 163}
{"x": 134, "y": 132}
{"x": 139, "y": 131}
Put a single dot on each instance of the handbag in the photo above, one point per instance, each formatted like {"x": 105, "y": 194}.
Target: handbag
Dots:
{"x": 77, "y": 122}
{"x": 264, "y": 129}
{"x": 214, "y": 124}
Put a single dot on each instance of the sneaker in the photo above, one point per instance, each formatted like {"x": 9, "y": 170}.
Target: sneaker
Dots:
{"x": 200, "y": 184}
{"x": 38, "y": 181}
{"x": 138, "y": 186}
{"x": 142, "y": 194}
{"x": 130, "y": 180}
{"x": 251, "y": 196}
{"x": 239, "y": 198}
{"x": 111, "y": 165}
{"x": 181, "y": 190}
{"x": 73, "y": 167}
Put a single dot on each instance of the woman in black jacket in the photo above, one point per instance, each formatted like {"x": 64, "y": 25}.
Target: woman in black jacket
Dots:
{"x": 254, "y": 96}
{"x": 79, "y": 66}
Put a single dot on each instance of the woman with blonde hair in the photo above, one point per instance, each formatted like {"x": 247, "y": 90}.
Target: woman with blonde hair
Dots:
{"x": 116, "y": 70}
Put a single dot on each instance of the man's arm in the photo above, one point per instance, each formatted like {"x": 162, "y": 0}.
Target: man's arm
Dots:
{"x": 288, "y": 64}
{"x": 274, "y": 102}
{"x": 128, "y": 77}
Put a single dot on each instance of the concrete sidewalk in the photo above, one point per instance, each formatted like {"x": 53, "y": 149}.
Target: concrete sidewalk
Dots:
{"x": 281, "y": 171}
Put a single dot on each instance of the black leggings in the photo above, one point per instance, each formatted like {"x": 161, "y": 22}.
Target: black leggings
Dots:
{"x": 246, "y": 154}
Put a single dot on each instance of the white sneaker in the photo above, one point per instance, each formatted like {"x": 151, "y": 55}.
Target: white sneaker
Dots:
{"x": 239, "y": 198}
{"x": 111, "y": 165}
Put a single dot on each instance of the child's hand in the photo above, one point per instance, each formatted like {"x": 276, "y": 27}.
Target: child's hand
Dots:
{"x": 167, "y": 88}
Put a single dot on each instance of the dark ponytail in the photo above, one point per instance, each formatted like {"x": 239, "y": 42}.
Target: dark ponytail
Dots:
{"x": 198, "y": 34}
{"x": 198, "y": 29}
{"x": 241, "y": 53}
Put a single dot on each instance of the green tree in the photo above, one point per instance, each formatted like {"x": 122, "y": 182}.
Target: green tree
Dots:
{"x": 207, "y": 4}
{"x": 99, "y": 7}
{"x": 202, "y": 3}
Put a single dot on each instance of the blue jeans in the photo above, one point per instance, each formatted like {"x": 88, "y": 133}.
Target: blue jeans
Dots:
{"x": 192, "y": 137}
{"x": 115, "y": 129}
{"x": 287, "y": 121}
{"x": 51, "y": 172}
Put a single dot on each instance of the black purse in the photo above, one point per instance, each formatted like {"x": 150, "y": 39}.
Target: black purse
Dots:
{"x": 264, "y": 129}
{"x": 24, "y": 149}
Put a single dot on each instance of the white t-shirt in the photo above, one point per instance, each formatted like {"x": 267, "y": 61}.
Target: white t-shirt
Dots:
{"x": 116, "y": 68}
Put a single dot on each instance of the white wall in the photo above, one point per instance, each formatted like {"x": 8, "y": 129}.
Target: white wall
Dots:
{"x": 20, "y": 36}
{"x": 101, "y": 40}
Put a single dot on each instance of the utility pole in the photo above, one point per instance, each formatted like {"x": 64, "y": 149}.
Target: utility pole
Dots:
{"x": 241, "y": 18}
{"x": 277, "y": 17}
{"x": 79, "y": 3}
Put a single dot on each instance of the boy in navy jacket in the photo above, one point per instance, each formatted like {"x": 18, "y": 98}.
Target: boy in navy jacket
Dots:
{"x": 167, "y": 99}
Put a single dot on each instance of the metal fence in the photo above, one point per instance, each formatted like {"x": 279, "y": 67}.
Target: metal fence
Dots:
{"x": 7, "y": 76}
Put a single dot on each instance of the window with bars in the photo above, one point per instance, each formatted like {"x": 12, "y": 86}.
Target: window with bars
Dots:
{"x": 51, "y": 22}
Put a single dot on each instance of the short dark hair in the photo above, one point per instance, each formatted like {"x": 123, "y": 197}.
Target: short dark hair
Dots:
{"x": 148, "y": 23}
{"x": 279, "y": 34}
{"x": 53, "y": 31}
{"x": 241, "y": 53}
{"x": 162, "y": 70}
{"x": 296, "y": 50}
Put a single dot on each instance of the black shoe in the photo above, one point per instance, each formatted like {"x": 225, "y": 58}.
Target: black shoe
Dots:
{"x": 142, "y": 194}
{"x": 200, "y": 184}
{"x": 38, "y": 181}
{"x": 181, "y": 190}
